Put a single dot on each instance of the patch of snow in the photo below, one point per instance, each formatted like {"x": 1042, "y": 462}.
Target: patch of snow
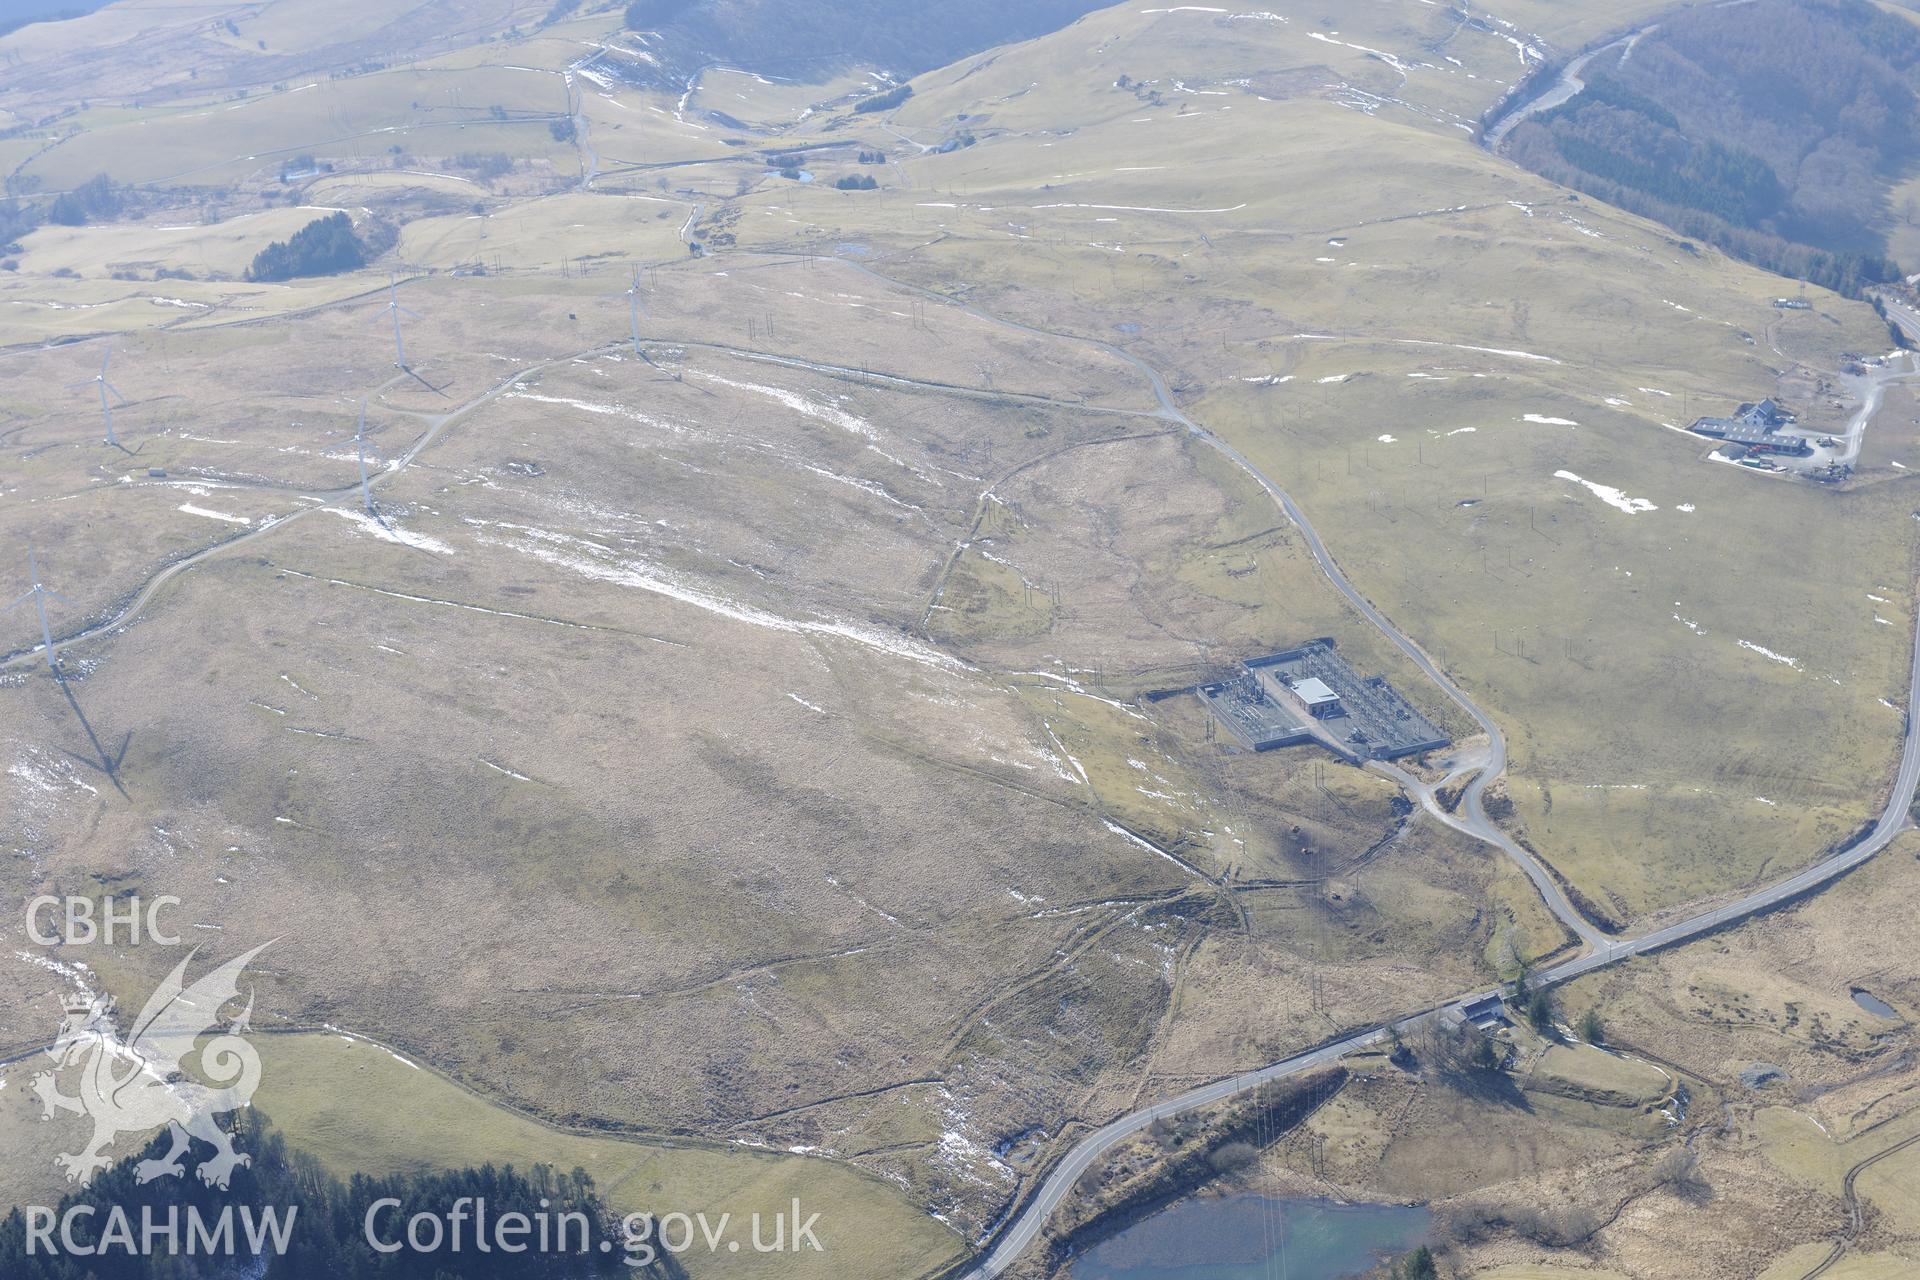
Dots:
{"x": 192, "y": 510}
{"x": 500, "y": 768}
{"x": 586, "y": 559}
{"x": 1769, "y": 654}
{"x": 1609, "y": 495}
{"x": 388, "y": 533}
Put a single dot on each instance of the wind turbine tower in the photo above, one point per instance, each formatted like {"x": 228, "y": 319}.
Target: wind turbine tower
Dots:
{"x": 106, "y": 388}
{"x": 38, "y": 594}
{"x": 360, "y": 444}
{"x": 394, "y": 308}
{"x": 634, "y": 309}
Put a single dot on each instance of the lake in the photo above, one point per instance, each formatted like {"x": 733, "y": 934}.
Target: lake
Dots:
{"x": 1246, "y": 1237}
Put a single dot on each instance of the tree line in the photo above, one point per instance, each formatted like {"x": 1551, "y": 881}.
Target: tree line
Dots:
{"x": 327, "y": 1239}
{"x": 321, "y": 248}
{"x": 885, "y": 101}
{"x": 1772, "y": 130}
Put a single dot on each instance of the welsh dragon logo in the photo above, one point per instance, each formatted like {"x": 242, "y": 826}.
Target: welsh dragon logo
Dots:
{"x": 137, "y": 1085}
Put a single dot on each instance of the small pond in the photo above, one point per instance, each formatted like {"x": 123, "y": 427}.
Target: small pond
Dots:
{"x": 1874, "y": 1005}
{"x": 1246, "y": 1237}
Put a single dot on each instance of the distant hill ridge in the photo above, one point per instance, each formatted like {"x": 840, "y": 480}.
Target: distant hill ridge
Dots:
{"x": 1773, "y": 129}
{"x": 812, "y": 39}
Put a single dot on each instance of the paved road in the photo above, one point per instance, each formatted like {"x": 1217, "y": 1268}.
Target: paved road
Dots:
{"x": 1569, "y": 83}
{"x": 1565, "y": 89}
{"x": 577, "y": 112}
{"x": 1906, "y": 317}
{"x": 1471, "y": 816}
{"x": 1019, "y": 1232}
{"x": 1871, "y": 388}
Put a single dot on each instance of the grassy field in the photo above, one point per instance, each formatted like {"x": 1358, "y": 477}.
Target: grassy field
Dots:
{"x": 359, "y": 1109}
{"x": 1590, "y": 1074}
{"x": 1425, "y": 416}
{"x": 1876, "y": 1266}
{"x": 426, "y": 111}
{"x": 222, "y": 248}
{"x": 774, "y": 103}
{"x": 545, "y": 234}
{"x": 766, "y": 710}
{"x": 169, "y": 52}
{"x": 1814, "y": 1086}
{"x": 733, "y": 540}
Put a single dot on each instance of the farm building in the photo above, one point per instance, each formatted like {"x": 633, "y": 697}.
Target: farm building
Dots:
{"x": 1758, "y": 428}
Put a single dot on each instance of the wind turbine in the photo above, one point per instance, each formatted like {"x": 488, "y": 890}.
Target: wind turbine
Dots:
{"x": 38, "y": 594}
{"x": 634, "y": 309}
{"x": 106, "y": 406}
{"x": 360, "y": 444}
{"x": 394, "y": 308}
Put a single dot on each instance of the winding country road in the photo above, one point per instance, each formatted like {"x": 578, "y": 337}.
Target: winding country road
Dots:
{"x": 1021, "y": 1228}
{"x": 1569, "y": 84}
{"x": 1566, "y": 87}
{"x": 1475, "y": 822}
{"x": 1472, "y": 819}
{"x": 325, "y": 498}
{"x": 1024, "y": 1226}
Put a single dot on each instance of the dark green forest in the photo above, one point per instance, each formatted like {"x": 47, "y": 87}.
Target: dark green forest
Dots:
{"x": 327, "y": 1240}
{"x": 885, "y": 101}
{"x": 97, "y": 197}
{"x": 1773, "y": 130}
{"x": 321, "y": 248}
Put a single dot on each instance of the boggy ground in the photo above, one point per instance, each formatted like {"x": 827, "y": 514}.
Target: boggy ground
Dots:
{"x": 636, "y": 729}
